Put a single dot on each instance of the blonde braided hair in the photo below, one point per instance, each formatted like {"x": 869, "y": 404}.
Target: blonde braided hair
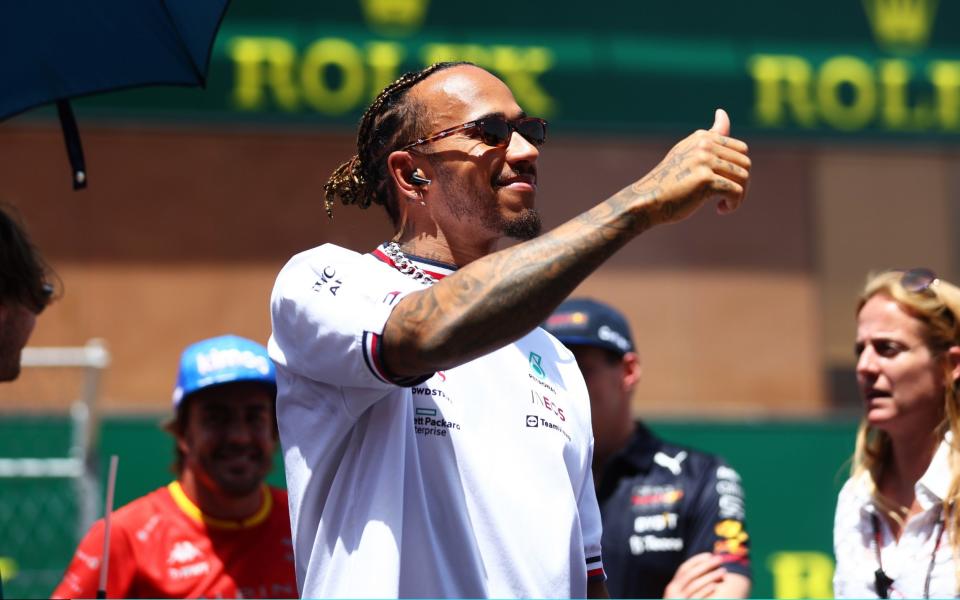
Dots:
{"x": 391, "y": 118}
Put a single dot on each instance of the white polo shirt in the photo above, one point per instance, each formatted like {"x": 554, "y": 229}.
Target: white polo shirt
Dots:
{"x": 909, "y": 561}
{"x": 473, "y": 483}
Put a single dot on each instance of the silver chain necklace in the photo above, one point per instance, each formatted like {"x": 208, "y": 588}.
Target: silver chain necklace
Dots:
{"x": 405, "y": 265}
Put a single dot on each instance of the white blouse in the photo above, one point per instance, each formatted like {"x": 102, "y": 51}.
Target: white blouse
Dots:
{"x": 911, "y": 561}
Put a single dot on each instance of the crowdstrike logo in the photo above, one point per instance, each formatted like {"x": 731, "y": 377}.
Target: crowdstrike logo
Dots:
{"x": 217, "y": 360}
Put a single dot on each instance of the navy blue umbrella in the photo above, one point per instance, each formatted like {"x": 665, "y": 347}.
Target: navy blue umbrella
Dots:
{"x": 55, "y": 50}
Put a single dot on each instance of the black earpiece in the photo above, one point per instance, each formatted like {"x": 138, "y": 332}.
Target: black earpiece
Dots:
{"x": 419, "y": 179}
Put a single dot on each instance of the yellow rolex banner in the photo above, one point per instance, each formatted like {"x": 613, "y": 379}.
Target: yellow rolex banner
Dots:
{"x": 838, "y": 68}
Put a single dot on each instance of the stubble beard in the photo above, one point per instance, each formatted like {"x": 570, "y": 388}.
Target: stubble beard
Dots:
{"x": 526, "y": 226}
{"x": 230, "y": 484}
{"x": 465, "y": 202}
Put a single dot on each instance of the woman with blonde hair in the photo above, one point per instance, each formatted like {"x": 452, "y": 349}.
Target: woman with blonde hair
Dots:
{"x": 897, "y": 530}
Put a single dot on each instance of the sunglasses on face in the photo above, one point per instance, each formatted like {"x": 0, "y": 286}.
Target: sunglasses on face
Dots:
{"x": 495, "y": 130}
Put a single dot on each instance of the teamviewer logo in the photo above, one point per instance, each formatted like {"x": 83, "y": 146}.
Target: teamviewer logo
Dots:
{"x": 533, "y": 421}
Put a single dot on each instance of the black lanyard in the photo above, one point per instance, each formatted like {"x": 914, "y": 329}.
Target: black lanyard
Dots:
{"x": 883, "y": 581}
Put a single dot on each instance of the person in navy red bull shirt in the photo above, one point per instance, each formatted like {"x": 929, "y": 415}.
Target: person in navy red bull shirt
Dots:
{"x": 217, "y": 531}
{"x": 673, "y": 517}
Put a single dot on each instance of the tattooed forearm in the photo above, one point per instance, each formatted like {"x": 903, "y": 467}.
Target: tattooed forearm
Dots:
{"x": 500, "y": 297}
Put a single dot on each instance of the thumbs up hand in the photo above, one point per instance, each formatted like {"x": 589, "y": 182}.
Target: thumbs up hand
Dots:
{"x": 721, "y": 122}
{"x": 706, "y": 165}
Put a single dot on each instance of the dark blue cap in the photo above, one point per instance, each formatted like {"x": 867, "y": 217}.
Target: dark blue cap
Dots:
{"x": 220, "y": 360}
{"x": 586, "y": 322}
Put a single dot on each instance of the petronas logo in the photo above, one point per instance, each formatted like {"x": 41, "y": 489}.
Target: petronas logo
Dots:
{"x": 901, "y": 25}
{"x": 396, "y": 16}
{"x": 536, "y": 366}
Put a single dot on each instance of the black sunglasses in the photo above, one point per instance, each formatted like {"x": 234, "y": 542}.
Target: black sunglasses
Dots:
{"x": 924, "y": 281}
{"x": 495, "y": 130}
{"x": 919, "y": 280}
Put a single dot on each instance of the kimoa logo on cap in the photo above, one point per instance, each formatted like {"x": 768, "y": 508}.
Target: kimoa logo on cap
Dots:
{"x": 216, "y": 360}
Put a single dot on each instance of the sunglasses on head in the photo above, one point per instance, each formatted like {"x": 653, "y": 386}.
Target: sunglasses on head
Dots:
{"x": 495, "y": 130}
{"x": 924, "y": 281}
{"x": 919, "y": 280}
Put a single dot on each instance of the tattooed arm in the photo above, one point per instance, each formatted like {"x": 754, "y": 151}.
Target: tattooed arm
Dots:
{"x": 498, "y": 298}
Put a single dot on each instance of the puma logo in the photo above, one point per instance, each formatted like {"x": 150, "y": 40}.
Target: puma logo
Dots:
{"x": 670, "y": 462}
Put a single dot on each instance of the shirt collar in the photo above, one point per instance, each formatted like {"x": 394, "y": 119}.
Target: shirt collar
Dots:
{"x": 193, "y": 511}
{"x": 634, "y": 459}
{"x": 934, "y": 485}
{"x": 639, "y": 451}
{"x": 435, "y": 269}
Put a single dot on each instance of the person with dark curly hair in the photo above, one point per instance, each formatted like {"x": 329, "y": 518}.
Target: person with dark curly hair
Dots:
{"x": 437, "y": 443}
{"x": 24, "y": 291}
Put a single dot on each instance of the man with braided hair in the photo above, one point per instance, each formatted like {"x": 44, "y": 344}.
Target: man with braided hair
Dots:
{"x": 437, "y": 443}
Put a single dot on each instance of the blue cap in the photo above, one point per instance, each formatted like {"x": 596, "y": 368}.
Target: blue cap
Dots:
{"x": 586, "y": 322}
{"x": 220, "y": 360}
